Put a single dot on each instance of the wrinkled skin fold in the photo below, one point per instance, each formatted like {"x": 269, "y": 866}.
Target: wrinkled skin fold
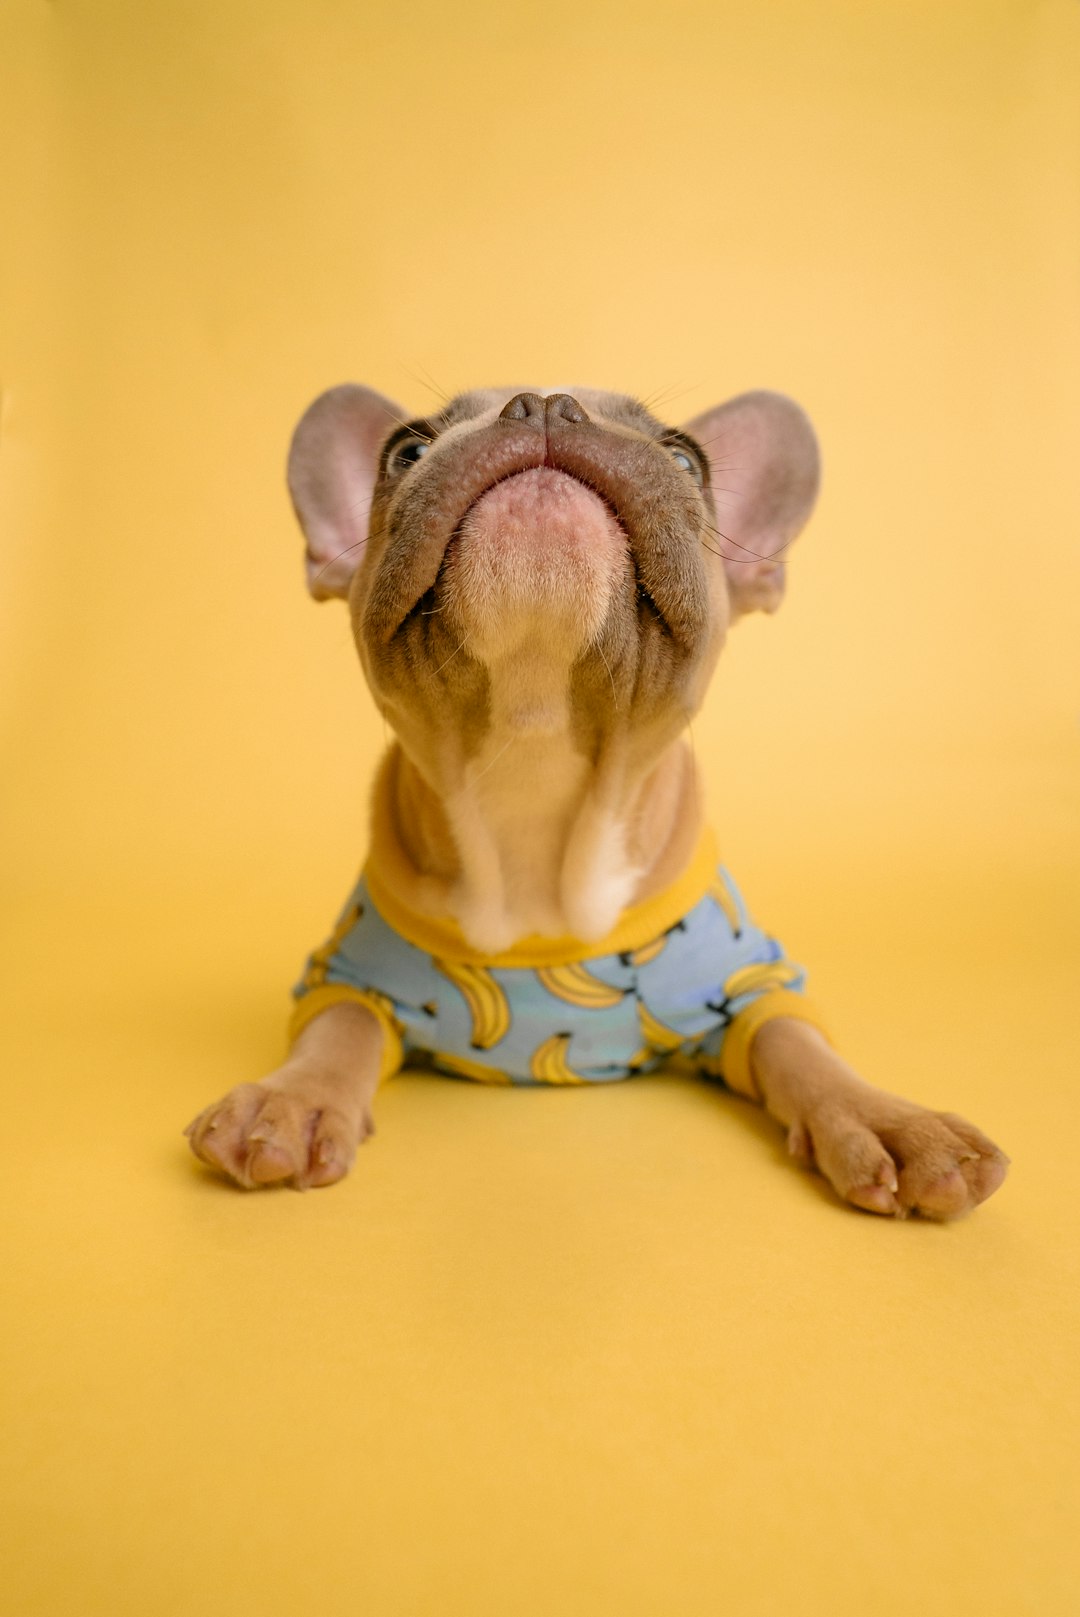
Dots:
{"x": 540, "y": 583}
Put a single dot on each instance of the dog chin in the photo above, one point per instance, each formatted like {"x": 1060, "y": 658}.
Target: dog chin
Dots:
{"x": 537, "y": 548}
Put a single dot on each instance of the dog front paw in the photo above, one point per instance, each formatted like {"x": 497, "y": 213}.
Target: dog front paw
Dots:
{"x": 890, "y": 1156}
{"x": 290, "y": 1128}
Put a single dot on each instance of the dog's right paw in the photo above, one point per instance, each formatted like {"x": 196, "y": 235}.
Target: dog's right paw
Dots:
{"x": 890, "y": 1156}
{"x": 287, "y": 1129}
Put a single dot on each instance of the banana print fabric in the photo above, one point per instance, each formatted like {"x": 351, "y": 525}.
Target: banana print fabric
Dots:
{"x": 701, "y": 989}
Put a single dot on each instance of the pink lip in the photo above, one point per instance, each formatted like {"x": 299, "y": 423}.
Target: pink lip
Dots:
{"x": 549, "y": 485}
{"x": 541, "y": 507}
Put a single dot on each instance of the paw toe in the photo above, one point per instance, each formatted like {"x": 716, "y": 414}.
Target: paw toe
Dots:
{"x": 217, "y": 1136}
{"x": 855, "y": 1162}
{"x": 988, "y": 1175}
{"x": 974, "y": 1138}
{"x": 333, "y": 1147}
{"x": 269, "y": 1162}
{"x": 875, "y": 1199}
{"x": 949, "y": 1166}
{"x": 947, "y": 1196}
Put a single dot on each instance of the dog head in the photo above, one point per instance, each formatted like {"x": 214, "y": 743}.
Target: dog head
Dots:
{"x": 565, "y": 561}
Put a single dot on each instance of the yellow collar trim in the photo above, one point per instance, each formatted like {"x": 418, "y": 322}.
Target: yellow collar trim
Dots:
{"x": 441, "y": 936}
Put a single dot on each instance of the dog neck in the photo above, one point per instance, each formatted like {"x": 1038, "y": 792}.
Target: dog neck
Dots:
{"x": 528, "y": 839}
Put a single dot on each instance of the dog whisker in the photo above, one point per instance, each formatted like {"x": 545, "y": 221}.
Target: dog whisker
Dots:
{"x": 452, "y": 655}
{"x": 610, "y": 675}
{"x": 348, "y": 548}
{"x": 425, "y": 378}
{"x": 752, "y": 555}
{"x": 494, "y": 761}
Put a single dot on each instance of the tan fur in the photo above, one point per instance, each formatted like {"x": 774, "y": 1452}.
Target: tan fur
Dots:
{"x": 564, "y": 731}
{"x": 538, "y": 603}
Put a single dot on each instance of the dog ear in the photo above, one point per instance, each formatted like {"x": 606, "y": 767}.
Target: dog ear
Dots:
{"x": 333, "y": 463}
{"x": 766, "y": 468}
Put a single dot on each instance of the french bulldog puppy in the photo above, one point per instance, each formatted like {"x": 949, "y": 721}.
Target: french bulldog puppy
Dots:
{"x": 539, "y": 588}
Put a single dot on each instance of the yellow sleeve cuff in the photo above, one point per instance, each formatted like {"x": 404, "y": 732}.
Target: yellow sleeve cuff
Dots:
{"x": 317, "y": 1000}
{"x": 734, "y": 1065}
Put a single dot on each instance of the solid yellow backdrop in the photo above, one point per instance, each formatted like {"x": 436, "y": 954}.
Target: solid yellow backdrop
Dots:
{"x": 586, "y": 1353}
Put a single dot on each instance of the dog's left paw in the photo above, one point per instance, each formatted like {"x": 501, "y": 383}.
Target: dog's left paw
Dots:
{"x": 293, "y": 1127}
{"x": 890, "y": 1156}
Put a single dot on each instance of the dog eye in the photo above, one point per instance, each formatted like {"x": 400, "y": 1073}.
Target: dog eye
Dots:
{"x": 406, "y": 455}
{"x": 682, "y": 457}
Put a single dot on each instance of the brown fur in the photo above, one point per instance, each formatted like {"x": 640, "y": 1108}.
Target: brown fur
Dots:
{"x": 539, "y": 690}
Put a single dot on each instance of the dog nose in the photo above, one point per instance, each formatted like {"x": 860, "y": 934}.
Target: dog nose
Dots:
{"x": 523, "y": 407}
{"x": 564, "y": 406}
{"x": 533, "y": 406}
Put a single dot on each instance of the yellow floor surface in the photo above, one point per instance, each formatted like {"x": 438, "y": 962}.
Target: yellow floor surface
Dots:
{"x": 546, "y": 1351}
{"x": 600, "y": 1353}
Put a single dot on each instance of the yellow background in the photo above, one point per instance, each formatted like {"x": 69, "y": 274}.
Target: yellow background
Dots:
{"x": 587, "y": 1353}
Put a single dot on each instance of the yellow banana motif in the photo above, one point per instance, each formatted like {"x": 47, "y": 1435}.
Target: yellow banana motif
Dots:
{"x": 721, "y": 894}
{"x": 319, "y": 963}
{"x": 770, "y": 974}
{"x": 648, "y": 951}
{"x": 577, "y": 986}
{"x": 485, "y": 998}
{"x": 548, "y": 1064}
{"x": 386, "y": 1005}
{"x": 472, "y": 1069}
{"x": 657, "y": 1035}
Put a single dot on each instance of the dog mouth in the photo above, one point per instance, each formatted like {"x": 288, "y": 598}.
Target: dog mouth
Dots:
{"x": 534, "y": 530}
{"x": 517, "y": 524}
{"x": 550, "y": 495}
{"x": 564, "y": 475}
